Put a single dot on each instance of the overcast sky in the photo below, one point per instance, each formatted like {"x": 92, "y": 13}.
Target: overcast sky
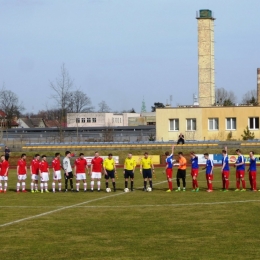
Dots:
{"x": 123, "y": 50}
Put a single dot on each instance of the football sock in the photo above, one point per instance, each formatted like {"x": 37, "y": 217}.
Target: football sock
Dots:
{"x": 98, "y": 185}
{"x": 77, "y": 186}
{"x": 59, "y": 185}
{"x": 1, "y": 186}
{"x": 114, "y": 185}
{"x": 223, "y": 183}
{"x": 170, "y": 185}
{"x": 53, "y": 186}
{"x": 193, "y": 184}
{"x": 36, "y": 186}
{"x": 66, "y": 183}
{"x": 132, "y": 184}
{"x": 92, "y": 185}
{"x": 41, "y": 186}
{"x": 32, "y": 185}
{"x": 71, "y": 183}
{"x": 23, "y": 185}
{"x": 196, "y": 183}
{"x": 126, "y": 184}
{"x": 18, "y": 186}
{"x": 85, "y": 186}
{"x": 46, "y": 185}
{"x": 5, "y": 186}
{"x": 238, "y": 184}
{"x": 254, "y": 184}
{"x": 210, "y": 186}
{"x": 106, "y": 184}
{"x": 227, "y": 184}
{"x": 145, "y": 183}
{"x": 184, "y": 182}
{"x": 243, "y": 184}
{"x": 178, "y": 183}
{"x": 151, "y": 184}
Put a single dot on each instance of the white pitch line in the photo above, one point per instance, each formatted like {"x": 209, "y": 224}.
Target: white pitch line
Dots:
{"x": 66, "y": 207}
{"x": 173, "y": 205}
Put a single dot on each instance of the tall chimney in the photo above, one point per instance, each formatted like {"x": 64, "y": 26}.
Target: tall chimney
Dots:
{"x": 258, "y": 86}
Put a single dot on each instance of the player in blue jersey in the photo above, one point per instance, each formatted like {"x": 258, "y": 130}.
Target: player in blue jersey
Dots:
{"x": 194, "y": 171}
{"x": 209, "y": 172}
{"x": 252, "y": 171}
{"x": 168, "y": 169}
{"x": 240, "y": 171}
{"x": 225, "y": 170}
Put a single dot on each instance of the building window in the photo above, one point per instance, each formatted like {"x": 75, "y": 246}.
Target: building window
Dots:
{"x": 174, "y": 124}
{"x": 231, "y": 123}
{"x": 88, "y": 120}
{"x": 213, "y": 123}
{"x": 253, "y": 123}
{"x": 94, "y": 120}
{"x": 83, "y": 120}
{"x": 191, "y": 124}
{"x": 77, "y": 120}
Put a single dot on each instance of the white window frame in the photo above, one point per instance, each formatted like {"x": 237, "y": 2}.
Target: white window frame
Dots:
{"x": 214, "y": 120}
{"x": 254, "y": 123}
{"x": 232, "y": 122}
{"x": 94, "y": 119}
{"x": 83, "y": 120}
{"x": 192, "y": 124}
{"x": 88, "y": 120}
{"x": 175, "y": 120}
{"x": 77, "y": 120}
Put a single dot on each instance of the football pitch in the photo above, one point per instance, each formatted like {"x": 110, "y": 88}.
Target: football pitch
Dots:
{"x": 133, "y": 225}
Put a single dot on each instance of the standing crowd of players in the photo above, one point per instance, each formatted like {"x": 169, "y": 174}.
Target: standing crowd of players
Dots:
{"x": 40, "y": 172}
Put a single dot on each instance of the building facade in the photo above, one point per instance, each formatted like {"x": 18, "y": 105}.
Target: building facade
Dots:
{"x": 99, "y": 119}
{"x": 207, "y": 123}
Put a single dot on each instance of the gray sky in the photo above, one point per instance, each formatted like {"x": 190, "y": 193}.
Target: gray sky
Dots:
{"x": 122, "y": 50}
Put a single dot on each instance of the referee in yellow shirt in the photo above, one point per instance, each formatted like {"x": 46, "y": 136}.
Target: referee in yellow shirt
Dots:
{"x": 109, "y": 166}
{"x": 129, "y": 169}
{"x": 146, "y": 167}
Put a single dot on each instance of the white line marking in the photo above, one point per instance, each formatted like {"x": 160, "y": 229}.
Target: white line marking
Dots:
{"x": 67, "y": 207}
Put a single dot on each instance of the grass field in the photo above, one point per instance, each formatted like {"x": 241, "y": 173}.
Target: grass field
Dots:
{"x": 134, "y": 225}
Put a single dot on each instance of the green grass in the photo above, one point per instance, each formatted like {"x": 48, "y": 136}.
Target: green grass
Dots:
{"x": 136, "y": 225}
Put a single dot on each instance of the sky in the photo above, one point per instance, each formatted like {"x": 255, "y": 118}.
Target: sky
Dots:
{"x": 124, "y": 51}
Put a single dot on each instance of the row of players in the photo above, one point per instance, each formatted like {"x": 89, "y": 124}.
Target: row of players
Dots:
{"x": 39, "y": 170}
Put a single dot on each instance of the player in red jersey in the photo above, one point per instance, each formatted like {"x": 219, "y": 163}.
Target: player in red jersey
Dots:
{"x": 34, "y": 168}
{"x": 96, "y": 170}
{"x": 44, "y": 173}
{"x": 21, "y": 173}
{"x": 56, "y": 166}
{"x": 4, "y": 173}
{"x": 80, "y": 171}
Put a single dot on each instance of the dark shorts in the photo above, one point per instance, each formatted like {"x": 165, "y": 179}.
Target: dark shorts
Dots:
{"x": 129, "y": 174}
{"x": 110, "y": 174}
{"x": 68, "y": 177}
{"x": 181, "y": 174}
{"x": 147, "y": 173}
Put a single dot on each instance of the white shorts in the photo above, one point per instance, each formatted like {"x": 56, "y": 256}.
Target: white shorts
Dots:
{"x": 58, "y": 175}
{"x": 22, "y": 177}
{"x": 96, "y": 175}
{"x": 3, "y": 178}
{"x": 80, "y": 176}
{"x": 45, "y": 176}
{"x": 35, "y": 177}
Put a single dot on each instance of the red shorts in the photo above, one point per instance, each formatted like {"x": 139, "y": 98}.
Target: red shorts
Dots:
{"x": 252, "y": 174}
{"x": 225, "y": 174}
{"x": 169, "y": 173}
{"x": 240, "y": 174}
{"x": 209, "y": 177}
{"x": 194, "y": 172}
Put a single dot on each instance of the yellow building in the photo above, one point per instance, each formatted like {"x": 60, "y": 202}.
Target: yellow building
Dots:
{"x": 206, "y": 123}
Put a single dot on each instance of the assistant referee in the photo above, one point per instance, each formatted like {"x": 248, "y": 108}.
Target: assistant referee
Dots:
{"x": 129, "y": 169}
{"x": 146, "y": 168}
{"x": 109, "y": 166}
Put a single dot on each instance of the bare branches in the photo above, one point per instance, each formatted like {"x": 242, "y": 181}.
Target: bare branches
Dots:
{"x": 79, "y": 102}
{"x": 224, "y": 97}
{"x": 103, "y": 107}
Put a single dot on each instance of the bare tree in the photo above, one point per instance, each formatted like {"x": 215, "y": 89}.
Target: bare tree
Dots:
{"x": 62, "y": 87}
{"x": 250, "y": 98}
{"x": 224, "y": 97}
{"x": 79, "y": 102}
{"x": 10, "y": 105}
{"x": 103, "y": 107}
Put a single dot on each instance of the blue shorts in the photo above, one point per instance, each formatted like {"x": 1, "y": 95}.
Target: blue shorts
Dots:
{"x": 110, "y": 174}
{"x": 147, "y": 173}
